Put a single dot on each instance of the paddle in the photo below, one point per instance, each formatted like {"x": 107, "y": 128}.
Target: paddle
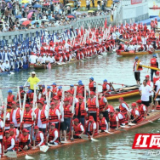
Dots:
{"x": 94, "y": 140}
{"x": 28, "y": 157}
{"x": 24, "y": 102}
{"x": 124, "y": 126}
{"x": 19, "y": 96}
{"x": 108, "y": 132}
{"x": 44, "y": 148}
{"x": 11, "y": 154}
{"x": 84, "y": 136}
{"x": 131, "y": 124}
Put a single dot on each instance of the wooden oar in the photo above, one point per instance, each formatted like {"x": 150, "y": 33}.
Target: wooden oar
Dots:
{"x": 131, "y": 124}
{"x": 19, "y": 97}
{"x": 28, "y": 157}
{"x": 84, "y": 136}
{"x": 24, "y": 102}
{"x": 94, "y": 140}
{"x": 124, "y": 126}
{"x": 108, "y": 132}
{"x": 44, "y": 148}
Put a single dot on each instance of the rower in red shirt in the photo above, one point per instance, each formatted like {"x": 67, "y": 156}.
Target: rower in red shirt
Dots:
{"x": 78, "y": 129}
{"x": 113, "y": 121}
{"x": 121, "y": 117}
{"x": 92, "y": 84}
{"x": 136, "y": 117}
{"x": 10, "y": 99}
{"x": 153, "y": 63}
{"x": 103, "y": 125}
{"x": 141, "y": 108}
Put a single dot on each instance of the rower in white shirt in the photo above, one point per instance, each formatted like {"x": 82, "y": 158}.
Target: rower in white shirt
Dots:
{"x": 32, "y": 59}
{"x": 47, "y": 59}
{"x": 131, "y": 47}
{"x": 52, "y": 59}
{"x": 7, "y": 66}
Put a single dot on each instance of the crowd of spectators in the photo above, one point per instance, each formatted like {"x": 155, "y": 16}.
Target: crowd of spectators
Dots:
{"x": 42, "y": 14}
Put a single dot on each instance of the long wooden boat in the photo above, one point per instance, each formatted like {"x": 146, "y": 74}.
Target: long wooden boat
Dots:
{"x": 43, "y": 66}
{"x": 135, "y": 53}
{"x": 152, "y": 117}
{"x": 128, "y": 91}
{"x": 154, "y": 8}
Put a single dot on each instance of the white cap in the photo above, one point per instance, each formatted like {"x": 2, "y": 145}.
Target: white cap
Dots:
{"x": 33, "y": 72}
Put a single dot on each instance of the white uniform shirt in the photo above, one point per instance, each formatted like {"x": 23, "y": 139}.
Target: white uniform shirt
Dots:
{"x": 145, "y": 92}
{"x": 32, "y": 59}
{"x": 1, "y": 126}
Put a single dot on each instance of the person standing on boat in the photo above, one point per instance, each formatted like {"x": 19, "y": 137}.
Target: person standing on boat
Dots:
{"x": 151, "y": 94}
{"x": 33, "y": 80}
{"x": 145, "y": 91}
{"x": 10, "y": 99}
{"x": 153, "y": 63}
{"x": 92, "y": 108}
{"x": 137, "y": 70}
{"x": 92, "y": 84}
{"x": 80, "y": 110}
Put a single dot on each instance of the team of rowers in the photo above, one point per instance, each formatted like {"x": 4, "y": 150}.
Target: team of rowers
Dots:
{"x": 57, "y": 116}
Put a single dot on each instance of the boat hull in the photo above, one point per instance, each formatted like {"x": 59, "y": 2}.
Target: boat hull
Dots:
{"x": 136, "y": 53}
{"x": 153, "y": 116}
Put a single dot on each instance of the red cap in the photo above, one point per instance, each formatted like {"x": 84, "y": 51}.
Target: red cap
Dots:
{"x": 25, "y": 130}
{"x": 6, "y": 131}
{"x": 76, "y": 120}
{"x": 66, "y": 100}
{"x": 36, "y": 127}
{"x": 139, "y": 101}
{"x": 121, "y": 98}
{"x": 111, "y": 111}
{"x": 52, "y": 103}
{"x": 90, "y": 117}
{"x": 147, "y": 76}
{"x": 11, "y": 123}
{"x": 27, "y": 106}
{"x": 53, "y": 124}
{"x": 92, "y": 93}
{"x": 55, "y": 98}
{"x": 69, "y": 91}
{"x": 31, "y": 102}
{"x": 80, "y": 97}
{"x": 133, "y": 104}
{"x": 40, "y": 102}
{"x": 157, "y": 72}
{"x": 14, "y": 102}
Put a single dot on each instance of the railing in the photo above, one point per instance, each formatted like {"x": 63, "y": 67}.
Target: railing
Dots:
{"x": 85, "y": 22}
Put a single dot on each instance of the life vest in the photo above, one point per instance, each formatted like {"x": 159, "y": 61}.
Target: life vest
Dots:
{"x": 7, "y": 142}
{"x": 140, "y": 109}
{"x": 38, "y": 138}
{"x": 1, "y": 129}
{"x": 82, "y": 109}
{"x": 139, "y": 119}
{"x": 91, "y": 126}
{"x": 122, "y": 109}
{"x": 102, "y": 124}
{"x": 113, "y": 122}
{"x": 149, "y": 83}
{"x": 23, "y": 139}
{"x": 54, "y": 90}
{"x": 42, "y": 116}
{"x": 104, "y": 88}
{"x": 77, "y": 129}
{"x": 158, "y": 107}
{"x": 139, "y": 67}
{"x": 123, "y": 120}
{"x": 91, "y": 86}
{"x": 110, "y": 107}
{"x": 153, "y": 62}
{"x": 52, "y": 115}
{"x": 92, "y": 104}
{"x": 155, "y": 79}
{"x": 10, "y": 99}
{"x": 59, "y": 94}
{"x": 52, "y": 135}
{"x": 80, "y": 89}
{"x": 27, "y": 117}
{"x": 101, "y": 104}
{"x": 17, "y": 115}
{"x": 67, "y": 112}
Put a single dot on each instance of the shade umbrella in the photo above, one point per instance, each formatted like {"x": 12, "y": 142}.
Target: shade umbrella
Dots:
{"x": 29, "y": 15}
{"x": 55, "y": 1}
{"x": 25, "y": 1}
{"x": 18, "y": 16}
{"x": 25, "y": 5}
{"x": 25, "y": 23}
{"x": 37, "y": 6}
{"x": 70, "y": 16}
{"x": 90, "y": 11}
{"x": 23, "y": 19}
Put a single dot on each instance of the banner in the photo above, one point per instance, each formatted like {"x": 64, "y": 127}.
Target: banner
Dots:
{"x": 136, "y": 1}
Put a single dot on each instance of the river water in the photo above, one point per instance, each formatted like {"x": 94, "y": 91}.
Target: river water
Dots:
{"x": 114, "y": 69}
